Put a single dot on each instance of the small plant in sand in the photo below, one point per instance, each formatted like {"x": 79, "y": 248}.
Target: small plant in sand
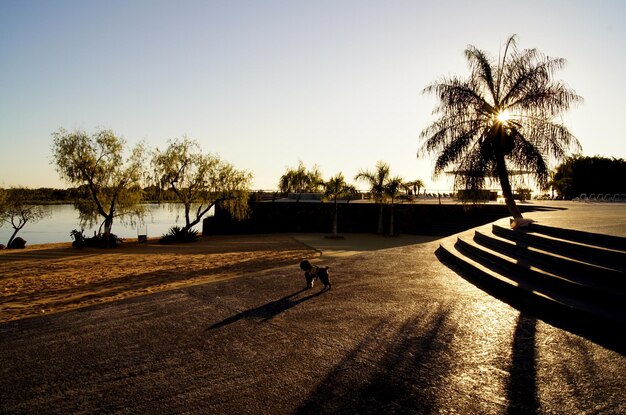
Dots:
{"x": 177, "y": 234}
{"x": 98, "y": 241}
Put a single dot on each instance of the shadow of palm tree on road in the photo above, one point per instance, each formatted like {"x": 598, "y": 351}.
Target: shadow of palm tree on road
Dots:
{"x": 402, "y": 379}
{"x": 270, "y": 310}
{"x": 522, "y": 386}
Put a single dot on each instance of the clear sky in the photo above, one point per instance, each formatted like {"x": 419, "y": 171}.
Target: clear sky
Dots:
{"x": 265, "y": 83}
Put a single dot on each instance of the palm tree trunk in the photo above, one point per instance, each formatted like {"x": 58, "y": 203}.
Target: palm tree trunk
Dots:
{"x": 505, "y": 184}
{"x": 335, "y": 220}
{"x": 391, "y": 221}
{"x": 380, "y": 220}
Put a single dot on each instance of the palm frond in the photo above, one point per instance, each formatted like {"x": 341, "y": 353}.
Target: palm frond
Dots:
{"x": 481, "y": 67}
{"x": 455, "y": 150}
{"x": 455, "y": 95}
{"x": 526, "y": 156}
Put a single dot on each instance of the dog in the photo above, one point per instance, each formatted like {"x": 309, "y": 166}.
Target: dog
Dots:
{"x": 313, "y": 272}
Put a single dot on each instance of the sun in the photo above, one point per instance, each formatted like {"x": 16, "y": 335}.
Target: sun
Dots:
{"x": 503, "y": 116}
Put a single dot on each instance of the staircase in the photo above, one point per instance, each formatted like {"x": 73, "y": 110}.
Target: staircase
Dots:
{"x": 559, "y": 272}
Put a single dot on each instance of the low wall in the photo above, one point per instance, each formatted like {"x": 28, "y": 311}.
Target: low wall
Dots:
{"x": 307, "y": 217}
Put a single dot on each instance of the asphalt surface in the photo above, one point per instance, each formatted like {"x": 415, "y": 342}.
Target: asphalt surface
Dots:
{"x": 398, "y": 333}
{"x": 603, "y": 218}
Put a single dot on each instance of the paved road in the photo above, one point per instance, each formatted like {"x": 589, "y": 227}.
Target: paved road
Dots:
{"x": 604, "y": 218}
{"x": 398, "y": 333}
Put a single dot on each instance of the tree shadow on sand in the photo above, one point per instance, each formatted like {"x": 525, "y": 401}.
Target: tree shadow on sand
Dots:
{"x": 270, "y": 310}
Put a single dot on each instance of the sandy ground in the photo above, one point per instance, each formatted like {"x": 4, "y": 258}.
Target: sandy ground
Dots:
{"x": 56, "y": 277}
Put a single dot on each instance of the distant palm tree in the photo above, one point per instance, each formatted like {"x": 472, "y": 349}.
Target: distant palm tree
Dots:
{"x": 505, "y": 111}
{"x": 392, "y": 190}
{"x": 376, "y": 180}
{"x": 335, "y": 188}
{"x": 415, "y": 185}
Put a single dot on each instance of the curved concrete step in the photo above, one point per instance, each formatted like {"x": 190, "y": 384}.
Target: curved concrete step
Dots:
{"x": 605, "y": 257}
{"x": 521, "y": 271}
{"x": 589, "y": 238}
{"x": 522, "y": 292}
{"x": 578, "y": 271}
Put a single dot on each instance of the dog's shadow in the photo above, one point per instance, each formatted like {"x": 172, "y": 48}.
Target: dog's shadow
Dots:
{"x": 270, "y": 310}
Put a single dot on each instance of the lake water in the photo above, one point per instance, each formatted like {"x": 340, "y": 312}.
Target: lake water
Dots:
{"x": 63, "y": 218}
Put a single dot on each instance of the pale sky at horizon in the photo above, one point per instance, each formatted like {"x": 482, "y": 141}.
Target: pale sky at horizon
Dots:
{"x": 267, "y": 83}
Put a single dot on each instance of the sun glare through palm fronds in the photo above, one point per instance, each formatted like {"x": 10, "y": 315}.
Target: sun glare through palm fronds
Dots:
{"x": 504, "y": 116}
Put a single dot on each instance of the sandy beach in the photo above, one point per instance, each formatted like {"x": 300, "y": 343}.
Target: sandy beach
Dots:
{"x": 50, "y": 278}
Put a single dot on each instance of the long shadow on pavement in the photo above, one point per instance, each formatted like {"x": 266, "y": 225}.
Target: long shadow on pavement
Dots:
{"x": 403, "y": 379}
{"x": 522, "y": 385}
{"x": 268, "y": 311}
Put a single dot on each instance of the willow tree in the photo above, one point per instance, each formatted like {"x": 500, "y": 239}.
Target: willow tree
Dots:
{"x": 200, "y": 181}
{"x": 16, "y": 211}
{"x": 334, "y": 189}
{"x": 504, "y": 115}
{"x": 98, "y": 164}
{"x": 301, "y": 180}
{"x": 376, "y": 179}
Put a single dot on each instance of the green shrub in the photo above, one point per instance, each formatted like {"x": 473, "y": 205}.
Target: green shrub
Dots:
{"x": 475, "y": 195}
{"x": 98, "y": 241}
{"x": 176, "y": 234}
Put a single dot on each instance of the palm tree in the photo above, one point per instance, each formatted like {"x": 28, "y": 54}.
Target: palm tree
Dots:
{"x": 335, "y": 188}
{"x": 376, "y": 180}
{"x": 506, "y": 111}
{"x": 415, "y": 185}
{"x": 392, "y": 190}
